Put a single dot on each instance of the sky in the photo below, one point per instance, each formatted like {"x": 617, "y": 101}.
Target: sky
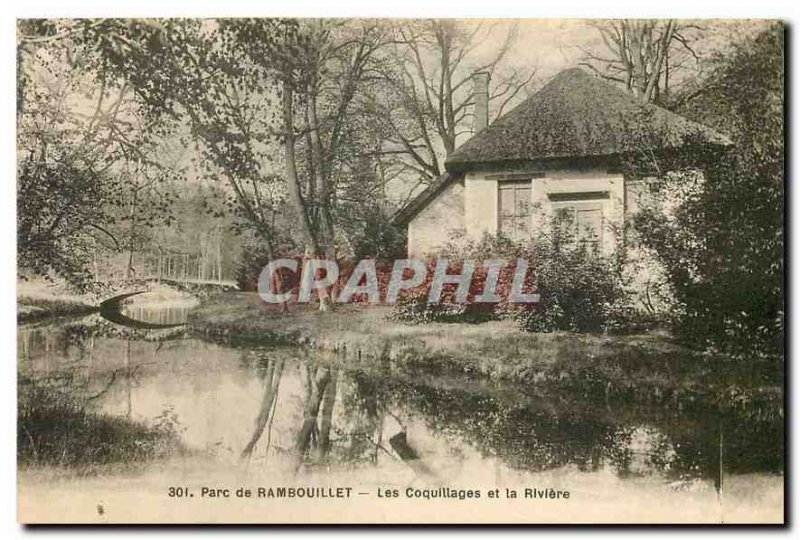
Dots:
{"x": 552, "y": 45}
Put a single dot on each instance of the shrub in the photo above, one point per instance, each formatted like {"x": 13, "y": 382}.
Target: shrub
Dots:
{"x": 413, "y": 306}
{"x": 581, "y": 289}
{"x": 254, "y": 258}
{"x": 579, "y": 292}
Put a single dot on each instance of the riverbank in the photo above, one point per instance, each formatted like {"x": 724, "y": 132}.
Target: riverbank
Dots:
{"x": 645, "y": 368}
{"x": 31, "y": 309}
{"x": 38, "y": 300}
{"x": 55, "y": 430}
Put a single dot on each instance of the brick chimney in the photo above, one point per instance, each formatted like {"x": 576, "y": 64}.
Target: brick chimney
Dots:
{"x": 480, "y": 85}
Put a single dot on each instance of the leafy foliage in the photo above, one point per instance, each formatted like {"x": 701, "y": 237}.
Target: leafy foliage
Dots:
{"x": 254, "y": 258}
{"x": 722, "y": 243}
{"x": 56, "y": 203}
{"x": 581, "y": 288}
{"x": 88, "y": 173}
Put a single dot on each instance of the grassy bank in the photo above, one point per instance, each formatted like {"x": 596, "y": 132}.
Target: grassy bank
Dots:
{"x": 30, "y": 309}
{"x": 54, "y": 429}
{"x": 646, "y": 368}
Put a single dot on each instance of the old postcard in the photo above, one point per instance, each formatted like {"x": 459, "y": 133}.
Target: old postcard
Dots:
{"x": 407, "y": 271}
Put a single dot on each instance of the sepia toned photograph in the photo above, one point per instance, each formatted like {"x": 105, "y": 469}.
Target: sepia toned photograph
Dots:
{"x": 400, "y": 271}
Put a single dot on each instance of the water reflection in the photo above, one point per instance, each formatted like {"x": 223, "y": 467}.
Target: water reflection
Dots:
{"x": 169, "y": 315}
{"x": 119, "y": 310}
{"x": 298, "y": 414}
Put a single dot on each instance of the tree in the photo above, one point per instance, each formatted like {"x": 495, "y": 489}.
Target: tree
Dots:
{"x": 321, "y": 67}
{"x": 81, "y": 147}
{"x": 722, "y": 246}
{"x": 426, "y": 101}
{"x": 325, "y": 79}
{"x": 193, "y": 74}
{"x": 643, "y": 55}
{"x": 269, "y": 101}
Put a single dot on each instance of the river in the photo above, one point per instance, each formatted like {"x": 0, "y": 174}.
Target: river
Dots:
{"x": 416, "y": 450}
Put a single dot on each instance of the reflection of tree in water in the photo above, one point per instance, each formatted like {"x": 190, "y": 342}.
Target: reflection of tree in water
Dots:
{"x": 538, "y": 436}
{"x": 326, "y": 422}
{"x": 360, "y": 433}
{"x": 319, "y": 396}
{"x": 341, "y": 420}
{"x": 62, "y": 380}
{"x": 271, "y": 371}
{"x": 344, "y": 420}
{"x": 318, "y": 382}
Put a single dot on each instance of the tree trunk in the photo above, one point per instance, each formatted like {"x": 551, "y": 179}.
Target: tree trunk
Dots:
{"x": 325, "y": 243}
{"x": 310, "y": 413}
{"x": 292, "y": 179}
{"x": 131, "y": 232}
{"x": 271, "y": 383}
{"x": 321, "y": 180}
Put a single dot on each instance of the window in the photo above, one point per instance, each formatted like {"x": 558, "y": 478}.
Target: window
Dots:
{"x": 514, "y": 209}
{"x": 582, "y": 221}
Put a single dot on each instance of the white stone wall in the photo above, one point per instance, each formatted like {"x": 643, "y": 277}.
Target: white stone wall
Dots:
{"x": 436, "y": 224}
{"x": 646, "y": 276}
{"x": 480, "y": 205}
{"x": 481, "y": 199}
{"x": 470, "y": 210}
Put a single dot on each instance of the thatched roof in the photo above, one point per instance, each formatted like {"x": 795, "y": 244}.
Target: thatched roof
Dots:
{"x": 576, "y": 115}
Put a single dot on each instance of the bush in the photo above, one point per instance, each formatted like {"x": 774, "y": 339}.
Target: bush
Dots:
{"x": 579, "y": 292}
{"x": 254, "y": 258}
{"x": 412, "y": 306}
{"x": 580, "y": 288}
{"x": 249, "y": 268}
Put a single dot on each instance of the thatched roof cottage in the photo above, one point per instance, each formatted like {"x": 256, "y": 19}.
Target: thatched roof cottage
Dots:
{"x": 558, "y": 150}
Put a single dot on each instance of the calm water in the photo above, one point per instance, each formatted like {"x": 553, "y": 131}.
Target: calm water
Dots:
{"x": 272, "y": 414}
